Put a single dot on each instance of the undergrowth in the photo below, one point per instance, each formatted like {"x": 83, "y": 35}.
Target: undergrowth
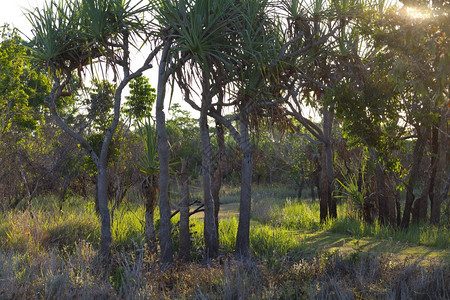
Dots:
{"x": 50, "y": 251}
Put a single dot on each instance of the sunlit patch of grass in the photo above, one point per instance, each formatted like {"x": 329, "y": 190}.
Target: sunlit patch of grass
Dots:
{"x": 128, "y": 226}
{"x": 272, "y": 244}
{"x": 298, "y": 216}
{"x": 227, "y": 234}
{"x": 304, "y": 215}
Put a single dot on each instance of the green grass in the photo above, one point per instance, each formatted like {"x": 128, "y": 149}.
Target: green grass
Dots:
{"x": 301, "y": 216}
{"x": 48, "y": 252}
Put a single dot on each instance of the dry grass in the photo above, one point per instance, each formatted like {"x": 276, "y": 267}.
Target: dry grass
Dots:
{"x": 57, "y": 274}
{"x": 46, "y": 253}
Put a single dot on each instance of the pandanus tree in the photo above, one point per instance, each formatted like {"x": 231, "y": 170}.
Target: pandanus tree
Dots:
{"x": 149, "y": 185}
{"x": 221, "y": 41}
{"x": 141, "y": 99}
{"x": 311, "y": 74}
{"x": 89, "y": 35}
{"x": 369, "y": 107}
{"x": 203, "y": 33}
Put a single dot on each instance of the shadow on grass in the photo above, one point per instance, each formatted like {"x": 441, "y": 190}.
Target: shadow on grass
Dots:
{"x": 325, "y": 241}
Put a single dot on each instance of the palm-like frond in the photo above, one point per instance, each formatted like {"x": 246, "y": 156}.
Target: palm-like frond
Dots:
{"x": 206, "y": 30}
{"x": 54, "y": 33}
{"x": 148, "y": 162}
{"x": 71, "y": 34}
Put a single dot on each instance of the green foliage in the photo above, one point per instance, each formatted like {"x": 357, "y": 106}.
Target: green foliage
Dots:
{"x": 184, "y": 139}
{"x": 71, "y": 34}
{"x": 148, "y": 162}
{"x": 142, "y": 97}
{"x": 204, "y": 29}
{"x": 353, "y": 195}
{"x": 16, "y": 84}
{"x": 100, "y": 104}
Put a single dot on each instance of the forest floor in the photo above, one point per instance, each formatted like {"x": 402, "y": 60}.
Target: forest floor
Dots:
{"x": 50, "y": 251}
{"x": 348, "y": 244}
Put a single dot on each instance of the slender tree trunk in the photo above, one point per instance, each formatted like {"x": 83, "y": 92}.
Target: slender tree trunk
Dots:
{"x": 312, "y": 186}
{"x": 243, "y": 233}
{"x": 328, "y": 117}
{"x": 434, "y": 166}
{"x": 210, "y": 232}
{"x": 397, "y": 198}
{"x": 218, "y": 174}
{"x": 165, "y": 237}
{"x": 441, "y": 186}
{"x": 323, "y": 186}
{"x": 313, "y": 181}
{"x": 300, "y": 187}
{"x": 150, "y": 234}
{"x": 420, "y": 207}
{"x": 149, "y": 188}
{"x": 102, "y": 196}
{"x": 185, "y": 236}
{"x": 386, "y": 207}
{"x": 414, "y": 174}
{"x": 360, "y": 180}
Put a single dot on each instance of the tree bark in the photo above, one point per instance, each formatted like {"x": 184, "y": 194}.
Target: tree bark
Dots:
{"x": 440, "y": 192}
{"x": 185, "y": 236}
{"x": 300, "y": 187}
{"x": 102, "y": 196}
{"x": 210, "y": 232}
{"x": 323, "y": 186}
{"x": 414, "y": 174}
{"x": 218, "y": 174}
{"x": 328, "y": 117}
{"x": 165, "y": 237}
{"x": 149, "y": 188}
{"x": 243, "y": 233}
{"x": 386, "y": 207}
{"x": 420, "y": 207}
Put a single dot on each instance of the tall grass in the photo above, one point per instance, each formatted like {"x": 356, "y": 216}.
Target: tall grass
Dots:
{"x": 50, "y": 252}
{"x": 305, "y": 216}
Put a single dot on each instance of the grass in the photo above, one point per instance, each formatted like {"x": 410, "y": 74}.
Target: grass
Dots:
{"x": 48, "y": 252}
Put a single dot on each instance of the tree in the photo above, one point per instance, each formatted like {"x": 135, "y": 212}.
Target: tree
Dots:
{"x": 203, "y": 31}
{"x": 312, "y": 74}
{"x": 407, "y": 81}
{"x": 149, "y": 185}
{"x": 21, "y": 97}
{"x": 69, "y": 37}
{"x": 141, "y": 99}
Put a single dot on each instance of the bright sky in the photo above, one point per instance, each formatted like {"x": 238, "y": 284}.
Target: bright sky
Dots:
{"x": 12, "y": 12}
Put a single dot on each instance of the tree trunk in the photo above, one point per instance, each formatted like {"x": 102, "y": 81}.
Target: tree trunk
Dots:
{"x": 312, "y": 186}
{"x": 414, "y": 174}
{"x": 420, "y": 207}
{"x": 150, "y": 235}
{"x": 209, "y": 224}
{"x": 185, "y": 236}
{"x": 386, "y": 207}
{"x": 300, "y": 187}
{"x": 314, "y": 180}
{"x": 323, "y": 186}
{"x": 165, "y": 237}
{"x": 102, "y": 196}
{"x": 149, "y": 189}
{"x": 218, "y": 174}
{"x": 440, "y": 191}
{"x": 328, "y": 117}
{"x": 243, "y": 233}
